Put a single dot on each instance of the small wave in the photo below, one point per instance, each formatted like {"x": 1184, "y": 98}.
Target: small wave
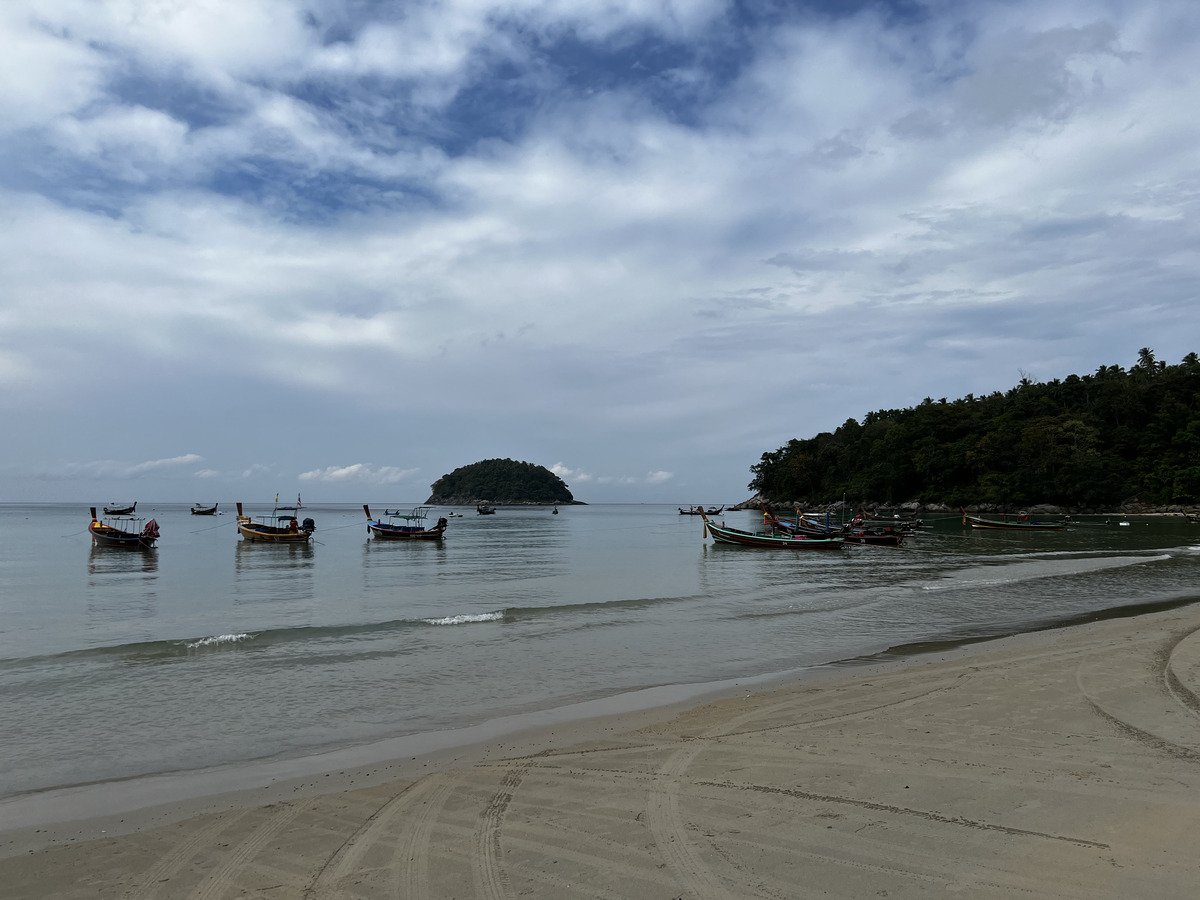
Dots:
{"x": 467, "y": 619}
{"x": 216, "y": 640}
{"x": 1014, "y": 573}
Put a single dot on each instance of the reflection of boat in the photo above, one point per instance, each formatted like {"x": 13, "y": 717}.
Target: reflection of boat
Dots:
{"x": 120, "y": 510}
{"x": 199, "y": 510}
{"x": 405, "y": 526}
{"x": 1023, "y": 523}
{"x": 123, "y": 531}
{"x": 485, "y": 509}
{"x": 280, "y": 527}
{"x": 723, "y": 534}
{"x": 701, "y": 511}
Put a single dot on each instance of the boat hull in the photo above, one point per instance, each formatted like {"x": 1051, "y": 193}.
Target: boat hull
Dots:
{"x": 268, "y": 534}
{"x": 107, "y": 536}
{"x": 385, "y": 532}
{"x": 992, "y": 525}
{"x": 723, "y": 534}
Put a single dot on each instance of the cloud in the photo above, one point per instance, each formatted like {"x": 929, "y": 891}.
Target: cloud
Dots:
{"x": 359, "y": 472}
{"x": 570, "y": 475}
{"x": 119, "y": 469}
{"x": 620, "y": 233}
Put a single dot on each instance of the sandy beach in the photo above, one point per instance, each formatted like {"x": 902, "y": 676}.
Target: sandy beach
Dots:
{"x": 1063, "y": 763}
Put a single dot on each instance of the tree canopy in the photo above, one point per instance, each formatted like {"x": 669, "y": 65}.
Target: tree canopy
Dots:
{"x": 1083, "y": 441}
{"x": 500, "y": 481}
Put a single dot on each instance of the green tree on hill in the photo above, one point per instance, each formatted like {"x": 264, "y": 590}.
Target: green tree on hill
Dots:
{"x": 1090, "y": 440}
{"x": 500, "y": 481}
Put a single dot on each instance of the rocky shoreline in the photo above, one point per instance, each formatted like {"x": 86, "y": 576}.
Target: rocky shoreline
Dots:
{"x": 475, "y": 501}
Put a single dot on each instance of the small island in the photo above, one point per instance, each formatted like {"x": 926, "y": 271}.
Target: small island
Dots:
{"x": 500, "y": 481}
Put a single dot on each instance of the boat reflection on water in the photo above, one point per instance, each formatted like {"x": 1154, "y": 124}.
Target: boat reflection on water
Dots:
{"x": 273, "y": 573}
{"x": 104, "y": 560}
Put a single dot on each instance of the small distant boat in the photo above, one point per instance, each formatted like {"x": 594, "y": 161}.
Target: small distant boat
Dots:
{"x": 199, "y": 510}
{"x": 405, "y": 526}
{"x": 120, "y": 510}
{"x": 123, "y": 531}
{"x": 723, "y": 534}
{"x": 555, "y": 511}
{"x": 1023, "y": 523}
{"x": 282, "y": 526}
{"x": 701, "y": 511}
{"x": 485, "y": 509}
{"x": 454, "y": 515}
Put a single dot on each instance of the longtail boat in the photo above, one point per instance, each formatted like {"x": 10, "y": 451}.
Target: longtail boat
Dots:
{"x": 199, "y": 510}
{"x": 888, "y": 537}
{"x": 280, "y": 527}
{"x": 857, "y": 532}
{"x": 485, "y": 509}
{"x": 405, "y": 526}
{"x": 120, "y": 510}
{"x": 123, "y": 531}
{"x": 723, "y": 534}
{"x": 701, "y": 511}
{"x": 1024, "y": 523}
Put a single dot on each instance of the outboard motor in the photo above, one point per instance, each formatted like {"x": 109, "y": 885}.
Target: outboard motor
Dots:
{"x": 309, "y": 526}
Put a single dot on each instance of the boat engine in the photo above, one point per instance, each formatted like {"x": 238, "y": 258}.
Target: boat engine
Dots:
{"x": 309, "y": 526}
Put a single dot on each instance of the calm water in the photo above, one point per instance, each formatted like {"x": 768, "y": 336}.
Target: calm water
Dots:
{"x": 209, "y": 650}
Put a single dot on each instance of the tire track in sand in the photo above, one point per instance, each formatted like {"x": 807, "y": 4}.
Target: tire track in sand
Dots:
{"x": 491, "y": 881}
{"x": 219, "y": 881}
{"x": 425, "y": 799}
{"x": 668, "y": 829}
{"x": 182, "y": 853}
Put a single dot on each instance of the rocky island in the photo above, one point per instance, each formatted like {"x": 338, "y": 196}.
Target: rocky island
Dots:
{"x": 500, "y": 481}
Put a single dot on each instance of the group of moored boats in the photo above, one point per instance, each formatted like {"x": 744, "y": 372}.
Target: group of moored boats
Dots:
{"x": 808, "y": 532}
{"x": 282, "y": 525}
{"x": 803, "y": 531}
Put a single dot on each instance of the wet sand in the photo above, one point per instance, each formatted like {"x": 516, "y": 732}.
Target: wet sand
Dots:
{"x": 1058, "y": 764}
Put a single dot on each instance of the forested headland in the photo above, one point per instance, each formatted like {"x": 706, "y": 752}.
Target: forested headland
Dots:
{"x": 500, "y": 481}
{"x": 1083, "y": 442}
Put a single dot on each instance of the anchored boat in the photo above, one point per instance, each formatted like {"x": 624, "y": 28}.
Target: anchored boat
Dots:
{"x": 282, "y": 526}
{"x": 409, "y": 526}
{"x": 123, "y": 531}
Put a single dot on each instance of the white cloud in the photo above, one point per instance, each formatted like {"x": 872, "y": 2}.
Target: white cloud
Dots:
{"x": 360, "y": 472}
{"x": 576, "y": 476}
{"x": 361, "y": 232}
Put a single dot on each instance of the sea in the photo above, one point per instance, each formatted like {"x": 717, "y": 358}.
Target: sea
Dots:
{"x": 209, "y": 651}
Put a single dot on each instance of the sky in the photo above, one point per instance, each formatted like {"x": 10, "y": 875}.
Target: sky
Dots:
{"x": 339, "y": 248}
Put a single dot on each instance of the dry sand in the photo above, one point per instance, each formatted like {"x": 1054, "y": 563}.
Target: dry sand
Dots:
{"x": 1059, "y": 764}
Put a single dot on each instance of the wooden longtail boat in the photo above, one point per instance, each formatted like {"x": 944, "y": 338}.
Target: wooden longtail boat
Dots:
{"x": 485, "y": 509}
{"x": 701, "y": 511}
{"x": 123, "y": 531}
{"x": 886, "y": 538}
{"x": 281, "y": 527}
{"x": 199, "y": 510}
{"x": 120, "y": 510}
{"x": 854, "y": 533}
{"x": 723, "y": 534}
{"x": 1021, "y": 524}
{"x": 405, "y": 526}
